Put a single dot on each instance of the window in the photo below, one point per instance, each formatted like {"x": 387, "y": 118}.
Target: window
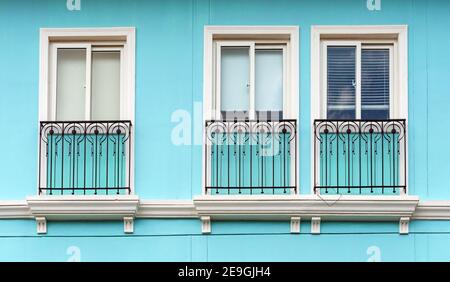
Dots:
{"x": 358, "y": 79}
{"x": 359, "y": 109}
{"x": 251, "y": 72}
{"x": 359, "y": 72}
{"x": 86, "y": 111}
{"x": 86, "y": 81}
{"x": 87, "y": 74}
{"x": 251, "y": 110}
{"x": 250, "y": 80}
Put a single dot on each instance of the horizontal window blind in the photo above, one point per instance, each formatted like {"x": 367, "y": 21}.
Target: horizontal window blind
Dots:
{"x": 375, "y": 80}
{"x": 341, "y": 79}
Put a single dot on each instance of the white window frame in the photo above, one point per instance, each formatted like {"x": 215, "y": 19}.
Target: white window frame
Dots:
{"x": 277, "y": 35}
{"x": 380, "y": 34}
{"x": 101, "y": 38}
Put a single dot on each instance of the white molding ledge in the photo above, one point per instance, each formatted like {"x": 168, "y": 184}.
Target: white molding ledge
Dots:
{"x": 13, "y": 209}
{"x": 433, "y": 210}
{"x": 83, "y": 208}
{"x": 256, "y": 207}
{"x": 166, "y": 209}
{"x": 373, "y": 208}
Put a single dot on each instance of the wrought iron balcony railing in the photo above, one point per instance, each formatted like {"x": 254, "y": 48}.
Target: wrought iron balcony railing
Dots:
{"x": 84, "y": 157}
{"x": 249, "y": 157}
{"x": 360, "y": 156}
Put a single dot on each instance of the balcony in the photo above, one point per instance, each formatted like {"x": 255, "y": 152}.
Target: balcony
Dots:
{"x": 250, "y": 157}
{"x": 84, "y": 158}
{"x": 360, "y": 157}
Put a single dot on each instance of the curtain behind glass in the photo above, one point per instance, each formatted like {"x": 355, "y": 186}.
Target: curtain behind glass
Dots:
{"x": 234, "y": 82}
{"x": 105, "y": 100}
{"x": 269, "y": 84}
{"x": 71, "y": 84}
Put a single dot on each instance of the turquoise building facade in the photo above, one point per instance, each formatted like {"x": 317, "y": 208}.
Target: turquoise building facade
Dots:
{"x": 168, "y": 217}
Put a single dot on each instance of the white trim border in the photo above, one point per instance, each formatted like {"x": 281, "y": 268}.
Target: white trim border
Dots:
{"x": 291, "y": 207}
{"x": 227, "y": 207}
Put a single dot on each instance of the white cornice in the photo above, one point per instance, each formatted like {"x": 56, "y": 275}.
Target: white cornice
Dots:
{"x": 166, "y": 208}
{"x": 269, "y": 207}
{"x": 433, "y": 210}
{"x": 14, "y": 209}
{"x": 359, "y": 29}
{"x": 83, "y": 207}
{"x": 211, "y": 30}
{"x": 307, "y": 206}
{"x": 87, "y": 32}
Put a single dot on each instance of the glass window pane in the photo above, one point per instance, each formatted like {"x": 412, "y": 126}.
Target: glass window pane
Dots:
{"x": 105, "y": 101}
{"x": 269, "y": 82}
{"x": 341, "y": 79}
{"x": 375, "y": 81}
{"x": 234, "y": 80}
{"x": 70, "y": 84}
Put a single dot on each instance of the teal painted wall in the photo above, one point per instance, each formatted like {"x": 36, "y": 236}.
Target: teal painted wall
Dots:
{"x": 180, "y": 240}
{"x": 169, "y": 71}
